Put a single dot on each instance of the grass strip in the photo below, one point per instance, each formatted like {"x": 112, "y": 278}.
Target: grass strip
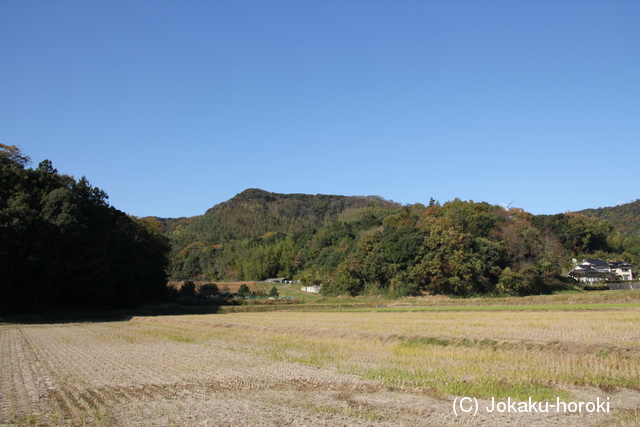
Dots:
{"x": 547, "y": 307}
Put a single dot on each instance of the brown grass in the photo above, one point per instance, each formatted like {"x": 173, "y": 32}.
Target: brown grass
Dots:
{"x": 291, "y": 368}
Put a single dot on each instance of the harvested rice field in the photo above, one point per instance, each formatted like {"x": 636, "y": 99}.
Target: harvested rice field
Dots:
{"x": 292, "y": 368}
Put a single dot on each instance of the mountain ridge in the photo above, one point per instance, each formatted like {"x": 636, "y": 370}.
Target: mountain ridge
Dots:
{"x": 369, "y": 244}
{"x": 624, "y": 217}
{"x": 254, "y": 212}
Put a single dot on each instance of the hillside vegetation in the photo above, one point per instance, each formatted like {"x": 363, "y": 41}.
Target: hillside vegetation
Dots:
{"x": 63, "y": 246}
{"x": 368, "y": 245}
{"x": 624, "y": 217}
{"x": 256, "y": 212}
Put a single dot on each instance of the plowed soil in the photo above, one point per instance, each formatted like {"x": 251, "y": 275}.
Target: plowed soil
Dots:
{"x": 145, "y": 372}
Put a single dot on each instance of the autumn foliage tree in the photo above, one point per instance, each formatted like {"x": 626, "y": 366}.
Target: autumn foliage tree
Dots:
{"x": 367, "y": 245}
{"x": 459, "y": 248}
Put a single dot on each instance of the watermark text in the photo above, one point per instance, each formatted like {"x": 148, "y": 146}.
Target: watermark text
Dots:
{"x": 470, "y": 405}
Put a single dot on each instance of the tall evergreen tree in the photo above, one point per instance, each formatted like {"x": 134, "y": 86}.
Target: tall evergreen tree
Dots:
{"x": 63, "y": 246}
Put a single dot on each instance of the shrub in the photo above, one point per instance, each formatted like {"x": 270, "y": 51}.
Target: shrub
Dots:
{"x": 259, "y": 292}
{"x": 208, "y": 290}
{"x": 188, "y": 288}
{"x": 595, "y": 287}
{"x": 244, "y": 291}
{"x": 225, "y": 291}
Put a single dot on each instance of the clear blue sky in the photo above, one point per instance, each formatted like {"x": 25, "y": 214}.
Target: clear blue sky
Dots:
{"x": 174, "y": 106}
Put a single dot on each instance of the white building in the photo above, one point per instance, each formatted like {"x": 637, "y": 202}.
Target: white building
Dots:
{"x": 595, "y": 270}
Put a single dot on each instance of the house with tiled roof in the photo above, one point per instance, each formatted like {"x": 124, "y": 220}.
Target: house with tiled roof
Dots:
{"x": 622, "y": 269}
{"x": 595, "y": 270}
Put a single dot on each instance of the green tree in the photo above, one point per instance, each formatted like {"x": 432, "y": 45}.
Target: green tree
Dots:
{"x": 347, "y": 280}
{"x": 511, "y": 282}
{"x": 63, "y": 246}
{"x": 244, "y": 291}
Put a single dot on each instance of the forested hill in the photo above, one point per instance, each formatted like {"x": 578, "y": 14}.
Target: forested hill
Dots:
{"x": 256, "y": 212}
{"x": 259, "y": 234}
{"x": 625, "y": 218}
{"x": 63, "y": 246}
{"x": 371, "y": 245}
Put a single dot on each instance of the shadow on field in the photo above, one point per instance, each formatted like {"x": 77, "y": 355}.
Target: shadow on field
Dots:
{"x": 120, "y": 315}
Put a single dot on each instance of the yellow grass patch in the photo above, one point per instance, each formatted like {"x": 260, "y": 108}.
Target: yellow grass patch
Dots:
{"x": 337, "y": 368}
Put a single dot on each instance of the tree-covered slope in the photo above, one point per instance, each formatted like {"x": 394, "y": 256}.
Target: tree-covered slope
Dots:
{"x": 258, "y": 234}
{"x": 625, "y": 217}
{"x": 255, "y": 212}
{"x": 63, "y": 246}
{"x": 369, "y": 245}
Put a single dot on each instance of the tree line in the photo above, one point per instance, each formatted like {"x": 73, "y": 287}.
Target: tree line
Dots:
{"x": 625, "y": 217}
{"x": 377, "y": 246}
{"x": 62, "y": 246}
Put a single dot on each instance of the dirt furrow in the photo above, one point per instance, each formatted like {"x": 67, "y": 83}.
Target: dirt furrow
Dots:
{"x": 56, "y": 378}
{"x": 7, "y": 409}
{"x": 67, "y": 392}
{"x": 64, "y": 406}
{"x": 22, "y": 385}
{"x": 143, "y": 374}
{"x": 34, "y": 381}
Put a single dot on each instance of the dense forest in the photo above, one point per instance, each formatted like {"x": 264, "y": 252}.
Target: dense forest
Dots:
{"x": 63, "y": 246}
{"x": 624, "y": 217}
{"x": 370, "y": 245}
